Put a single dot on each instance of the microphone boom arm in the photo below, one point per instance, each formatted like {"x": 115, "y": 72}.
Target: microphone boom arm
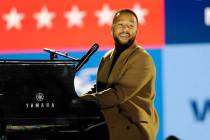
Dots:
{"x": 54, "y": 54}
{"x": 81, "y": 62}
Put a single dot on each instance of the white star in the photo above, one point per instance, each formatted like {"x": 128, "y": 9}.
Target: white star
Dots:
{"x": 141, "y": 13}
{"x": 105, "y": 15}
{"x": 207, "y": 16}
{"x": 75, "y": 17}
{"x": 13, "y": 19}
{"x": 44, "y": 18}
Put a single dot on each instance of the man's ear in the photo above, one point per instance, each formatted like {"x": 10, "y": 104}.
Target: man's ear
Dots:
{"x": 112, "y": 30}
{"x": 138, "y": 29}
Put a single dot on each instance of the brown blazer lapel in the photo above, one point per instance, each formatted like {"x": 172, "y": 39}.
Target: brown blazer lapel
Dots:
{"x": 104, "y": 69}
{"x": 119, "y": 66}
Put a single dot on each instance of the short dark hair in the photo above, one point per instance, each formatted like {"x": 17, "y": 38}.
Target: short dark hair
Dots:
{"x": 125, "y": 11}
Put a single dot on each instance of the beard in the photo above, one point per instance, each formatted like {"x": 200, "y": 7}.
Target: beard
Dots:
{"x": 120, "y": 45}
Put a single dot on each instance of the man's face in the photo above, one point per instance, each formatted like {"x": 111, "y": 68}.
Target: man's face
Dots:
{"x": 124, "y": 29}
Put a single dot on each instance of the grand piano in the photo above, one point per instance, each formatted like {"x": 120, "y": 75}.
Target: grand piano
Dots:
{"x": 38, "y": 99}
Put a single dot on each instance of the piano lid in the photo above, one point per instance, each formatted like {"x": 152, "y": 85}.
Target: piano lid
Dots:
{"x": 45, "y": 62}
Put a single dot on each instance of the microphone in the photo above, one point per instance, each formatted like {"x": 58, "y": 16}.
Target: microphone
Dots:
{"x": 50, "y": 50}
{"x": 86, "y": 57}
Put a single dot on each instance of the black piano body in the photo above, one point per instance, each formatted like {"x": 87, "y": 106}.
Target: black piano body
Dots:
{"x": 40, "y": 95}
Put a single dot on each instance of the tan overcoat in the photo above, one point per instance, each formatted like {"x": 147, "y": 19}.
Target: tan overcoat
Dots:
{"x": 127, "y": 99}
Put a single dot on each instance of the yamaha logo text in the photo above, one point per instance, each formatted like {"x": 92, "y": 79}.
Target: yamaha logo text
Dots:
{"x": 39, "y": 102}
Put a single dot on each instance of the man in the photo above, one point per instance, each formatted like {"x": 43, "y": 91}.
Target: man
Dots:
{"x": 125, "y": 85}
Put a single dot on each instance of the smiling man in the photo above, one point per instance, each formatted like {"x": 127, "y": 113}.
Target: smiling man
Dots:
{"x": 125, "y": 86}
